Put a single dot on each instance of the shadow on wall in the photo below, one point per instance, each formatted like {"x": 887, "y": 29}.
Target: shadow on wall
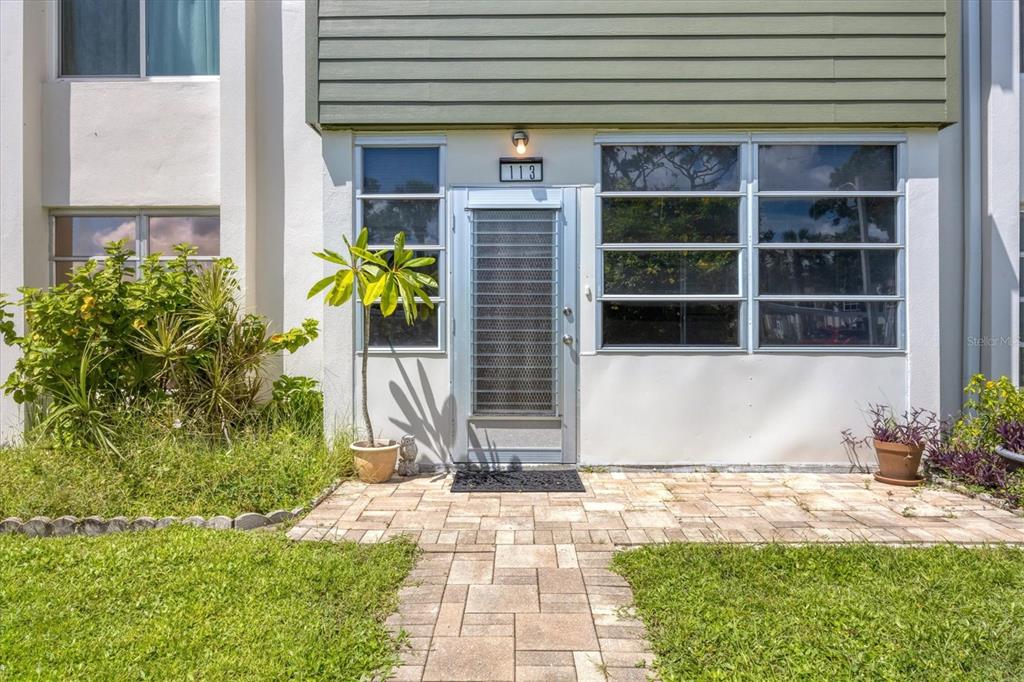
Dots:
{"x": 485, "y": 455}
{"x": 431, "y": 424}
{"x": 422, "y": 417}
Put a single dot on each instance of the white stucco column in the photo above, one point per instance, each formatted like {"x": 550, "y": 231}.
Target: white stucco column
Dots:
{"x": 23, "y": 221}
{"x": 340, "y": 392}
{"x": 12, "y": 208}
{"x": 303, "y": 217}
{"x": 1000, "y": 191}
{"x": 923, "y": 279}
{"x": 238, "y": 211}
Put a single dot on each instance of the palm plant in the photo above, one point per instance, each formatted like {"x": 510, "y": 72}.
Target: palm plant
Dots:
{"x": 382, "y": 278}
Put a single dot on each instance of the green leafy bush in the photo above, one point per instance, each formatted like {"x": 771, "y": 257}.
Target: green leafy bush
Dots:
{"x": 172, "y": 345}
{"x": 989, "y": 404}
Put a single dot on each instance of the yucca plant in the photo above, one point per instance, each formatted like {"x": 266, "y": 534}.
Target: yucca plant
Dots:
{"x": 383, "y": 278}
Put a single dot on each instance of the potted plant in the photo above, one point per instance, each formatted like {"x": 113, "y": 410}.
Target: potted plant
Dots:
{"x": 381, "y": 278}
{"x": 900, "y": 441}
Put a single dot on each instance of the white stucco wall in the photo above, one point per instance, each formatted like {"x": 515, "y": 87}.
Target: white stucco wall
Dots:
{"x": 660, "y": 407}
{"x": 1000, "y": 187}
{"x": 301, "y": 219}
{"x": 109, "y": 143}
{"x": 23, "y": 235}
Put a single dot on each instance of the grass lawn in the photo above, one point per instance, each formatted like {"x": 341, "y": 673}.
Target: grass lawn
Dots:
{"x": 830, "y": 612}
{"x": 168, "y": 474}
{"x": 186, "y": 603}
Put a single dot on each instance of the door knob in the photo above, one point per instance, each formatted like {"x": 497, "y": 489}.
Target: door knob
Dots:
{"x": 567, "y": 311}
{"x": 567, "y": 339}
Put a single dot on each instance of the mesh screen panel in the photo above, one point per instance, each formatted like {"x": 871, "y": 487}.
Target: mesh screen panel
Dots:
{"x": 515, "y": 314}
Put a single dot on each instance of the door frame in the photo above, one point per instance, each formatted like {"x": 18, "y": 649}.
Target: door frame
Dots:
{"x": 564, "y": 200}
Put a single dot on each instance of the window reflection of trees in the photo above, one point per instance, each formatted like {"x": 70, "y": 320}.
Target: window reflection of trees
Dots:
{"x": 670, "y": 168}
{"x": 860, "y": 272}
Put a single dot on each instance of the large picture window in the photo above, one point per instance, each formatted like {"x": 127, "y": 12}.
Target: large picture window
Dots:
{"x": 756, "y": 245}
{"x": 401, "y": 188}
{"x": 80, "y": 238}
{"x": 829, "y": 248}
{"x": 139, "y": 38}
{"x": 671, "y": 245}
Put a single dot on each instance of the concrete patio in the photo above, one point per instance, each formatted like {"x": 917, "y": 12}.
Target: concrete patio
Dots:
{"x": 516, "y": 586}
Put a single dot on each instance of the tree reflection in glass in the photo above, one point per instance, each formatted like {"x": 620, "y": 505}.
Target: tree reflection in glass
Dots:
{"x": 661, "y": 168}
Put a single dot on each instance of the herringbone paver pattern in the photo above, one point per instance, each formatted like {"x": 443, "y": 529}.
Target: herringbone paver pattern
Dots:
{"x": 516, "y": 586}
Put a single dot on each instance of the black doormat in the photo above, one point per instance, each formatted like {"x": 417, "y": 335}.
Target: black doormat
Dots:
{"x": 518, "y": 481}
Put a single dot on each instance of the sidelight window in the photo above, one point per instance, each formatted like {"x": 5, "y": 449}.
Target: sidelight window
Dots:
{"x": 401, "y": 188}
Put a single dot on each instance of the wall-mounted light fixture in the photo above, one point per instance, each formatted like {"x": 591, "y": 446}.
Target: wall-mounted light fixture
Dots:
{"x": 519, "y": 140}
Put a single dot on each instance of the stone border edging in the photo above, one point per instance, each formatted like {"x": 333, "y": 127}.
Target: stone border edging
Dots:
{"x": 44, "y": 526}
{"x": 983, "y": 496}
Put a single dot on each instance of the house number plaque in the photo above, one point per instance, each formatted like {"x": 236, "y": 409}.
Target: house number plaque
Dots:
{"x": 521, "y": 170}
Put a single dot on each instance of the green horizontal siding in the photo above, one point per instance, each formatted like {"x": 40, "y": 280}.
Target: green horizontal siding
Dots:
{"x": 434, "y": 63}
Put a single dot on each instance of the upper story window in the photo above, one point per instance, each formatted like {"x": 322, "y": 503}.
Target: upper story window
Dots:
{"x": 133, "y": 38}
{"x": 79, "y": 238}
{"x": 759, "y": 245}
{"x": 401, "y": 188}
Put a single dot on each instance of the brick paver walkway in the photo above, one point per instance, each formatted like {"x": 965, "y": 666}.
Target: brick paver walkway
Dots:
{"x": 516, "y": 586}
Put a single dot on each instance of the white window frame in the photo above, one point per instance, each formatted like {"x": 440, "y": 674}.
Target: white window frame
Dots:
{"x": 740, "y": 246}
{"x": 58, "y": 50}
{"x": 440, "y": 250}
{"x": 141, "y": 245}
{"x": 749, "y": 245}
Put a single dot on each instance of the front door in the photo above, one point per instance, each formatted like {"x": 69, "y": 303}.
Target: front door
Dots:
{"x": 514, "y": 326}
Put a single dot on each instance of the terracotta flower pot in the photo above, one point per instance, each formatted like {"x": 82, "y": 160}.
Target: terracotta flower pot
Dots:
{"x": 898, "y": 463}
{"x": 376, "y": 463}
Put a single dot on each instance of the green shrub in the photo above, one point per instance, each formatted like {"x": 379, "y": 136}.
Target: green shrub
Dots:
{"x": 172, "y": 344}
{"x": 989, "y": 403}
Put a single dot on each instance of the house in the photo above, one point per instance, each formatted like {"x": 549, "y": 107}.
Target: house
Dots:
{"x": 668, "y": 232}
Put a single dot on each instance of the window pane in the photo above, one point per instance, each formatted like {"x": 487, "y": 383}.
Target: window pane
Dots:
{"x": 671, "y": 272}
{"x": 832, "y": 219}
{"x": 99, "y": 37}
{"x": 432, "y": 270}
{"x": 670, "y": 168}
{"x": 87, "y": 235}
{"x": 841, "y": 167}
{"x": 182, "y": 37}
{"x": 831, "y": 323}
{"x": 62, "y": 269}
{"x": 202, "y": 232}
{"x": 670, "y": 324}
{"x": 391, "y": 331}
{"x": 670, "y": 220}
{"x": 386, "y": 217}
{"x": 821, "y": 272}
{"x": 400, "y": 170}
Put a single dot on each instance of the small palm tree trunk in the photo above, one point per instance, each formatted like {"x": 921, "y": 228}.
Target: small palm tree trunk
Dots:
{"x": 366, "y": 359}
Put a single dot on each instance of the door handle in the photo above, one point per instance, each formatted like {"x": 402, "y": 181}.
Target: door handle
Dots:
{"x": 567, "y": 339}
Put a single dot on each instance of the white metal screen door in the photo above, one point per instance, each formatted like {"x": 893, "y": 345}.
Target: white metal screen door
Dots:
{"x": 514, "y": 326}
